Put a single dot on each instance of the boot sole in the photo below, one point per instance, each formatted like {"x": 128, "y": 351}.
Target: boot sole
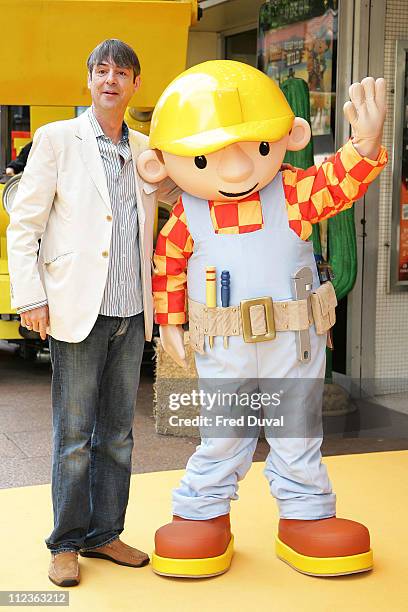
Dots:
{"x": 193, "y": 568}
{"x": 324, "y": 566}
{"x": 65, "y": 583}
{"x": 96, "y": 555}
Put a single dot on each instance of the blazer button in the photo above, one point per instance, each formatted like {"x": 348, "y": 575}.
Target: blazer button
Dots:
{"x": 105, "y": 254}
{"x": 108, "y": 218}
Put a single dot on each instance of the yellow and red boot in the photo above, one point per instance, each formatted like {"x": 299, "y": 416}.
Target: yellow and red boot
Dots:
{"x": 324, "y": 547}
{"x": 193, "y": 549}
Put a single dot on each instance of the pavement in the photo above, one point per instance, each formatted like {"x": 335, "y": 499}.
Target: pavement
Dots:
{"x": 26, "y": 426}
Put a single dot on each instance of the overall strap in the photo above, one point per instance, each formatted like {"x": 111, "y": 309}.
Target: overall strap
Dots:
{"x": 274, "y": 204}
{"x": 198, "y": 217}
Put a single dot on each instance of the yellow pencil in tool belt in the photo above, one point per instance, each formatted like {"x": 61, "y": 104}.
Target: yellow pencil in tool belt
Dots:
{"x": 210, "y": 293}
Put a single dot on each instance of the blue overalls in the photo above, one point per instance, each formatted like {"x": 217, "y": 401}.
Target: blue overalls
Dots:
{"x": 261, "y": 263}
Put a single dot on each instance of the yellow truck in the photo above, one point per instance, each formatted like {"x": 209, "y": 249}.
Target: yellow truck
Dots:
{"x": 49, "y": 75}
{"x": 9, "y": 320}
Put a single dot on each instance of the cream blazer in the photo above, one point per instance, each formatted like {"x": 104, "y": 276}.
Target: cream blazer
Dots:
{"x": 63, "y": 200}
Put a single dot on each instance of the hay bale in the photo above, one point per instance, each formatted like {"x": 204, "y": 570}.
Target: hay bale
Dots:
{"x": 171, "y": 379}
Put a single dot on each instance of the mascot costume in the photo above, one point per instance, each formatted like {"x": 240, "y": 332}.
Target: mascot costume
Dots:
{"x": 235, "y": 259}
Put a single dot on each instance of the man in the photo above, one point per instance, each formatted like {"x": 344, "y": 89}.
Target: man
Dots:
{"x": 15, "y": 166}
{"x": 90, "y": 289}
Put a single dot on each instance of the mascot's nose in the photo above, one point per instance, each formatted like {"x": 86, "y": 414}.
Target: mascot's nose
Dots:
{"x": 235, "y": 165}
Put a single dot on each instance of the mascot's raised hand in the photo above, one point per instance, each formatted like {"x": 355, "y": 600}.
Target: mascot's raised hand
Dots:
{"x": 366, "y": 112}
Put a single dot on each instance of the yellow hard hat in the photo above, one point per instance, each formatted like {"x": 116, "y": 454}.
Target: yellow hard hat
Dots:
{"x": 216, "y": 103}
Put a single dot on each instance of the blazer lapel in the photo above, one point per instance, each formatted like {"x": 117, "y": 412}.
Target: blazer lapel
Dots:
{"x": 92, "y": 158}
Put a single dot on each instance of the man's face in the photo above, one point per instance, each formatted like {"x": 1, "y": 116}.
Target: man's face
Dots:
{"x": 112, "y": 86}
{"x": 232, "y": 173}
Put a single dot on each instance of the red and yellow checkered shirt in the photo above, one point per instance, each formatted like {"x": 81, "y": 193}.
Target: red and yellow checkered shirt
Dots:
{"x": 311, "y": 196}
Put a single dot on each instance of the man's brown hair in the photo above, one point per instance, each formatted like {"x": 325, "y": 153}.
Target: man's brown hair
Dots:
{"x": 116, "y": 51}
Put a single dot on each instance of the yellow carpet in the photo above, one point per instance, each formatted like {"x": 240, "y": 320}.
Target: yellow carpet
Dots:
{"x": 371, "y": 488}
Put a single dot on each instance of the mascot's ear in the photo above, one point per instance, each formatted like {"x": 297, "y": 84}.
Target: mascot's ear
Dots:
{"x": 150, "y": 166}
{"x": 299, "y": 135}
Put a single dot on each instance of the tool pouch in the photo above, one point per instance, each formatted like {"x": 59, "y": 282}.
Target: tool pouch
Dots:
{"x": 196, "y": 327}
{"x": 324, "y": 302}
{"x": 206, "y": 321}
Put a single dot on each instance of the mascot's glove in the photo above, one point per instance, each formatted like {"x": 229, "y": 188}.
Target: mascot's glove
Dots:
{"x": 366, "y": 112}
{"x": 172, "y": 341}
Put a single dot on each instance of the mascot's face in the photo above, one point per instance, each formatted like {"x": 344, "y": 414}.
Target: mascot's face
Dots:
{"x": 232, "y": 173}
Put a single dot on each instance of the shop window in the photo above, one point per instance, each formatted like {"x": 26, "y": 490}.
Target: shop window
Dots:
{"x": 299, "y": 39}
{"x": 242, "y": 47}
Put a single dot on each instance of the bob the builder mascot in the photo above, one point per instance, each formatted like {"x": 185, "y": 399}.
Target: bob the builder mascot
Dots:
{"x": 220, "y": 131}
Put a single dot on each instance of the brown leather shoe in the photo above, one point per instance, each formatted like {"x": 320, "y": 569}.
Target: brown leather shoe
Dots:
{"x": 330, "y": 546}
{"x": 118, "y": 552}
{"x": 194, "y": 549}
{"x": 64, "y": 569}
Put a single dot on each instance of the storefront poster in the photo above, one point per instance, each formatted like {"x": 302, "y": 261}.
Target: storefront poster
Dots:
{"x": 305, "y": 50}
{"x": 403, "y": 222}
{"x": 399, "y": 242}
{"x": 403, "y": 250}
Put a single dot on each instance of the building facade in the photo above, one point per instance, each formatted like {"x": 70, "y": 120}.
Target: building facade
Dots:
{"x": 374, "y": 339}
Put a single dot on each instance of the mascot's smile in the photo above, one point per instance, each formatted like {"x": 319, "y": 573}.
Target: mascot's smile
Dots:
{"x": 237, "y": 195}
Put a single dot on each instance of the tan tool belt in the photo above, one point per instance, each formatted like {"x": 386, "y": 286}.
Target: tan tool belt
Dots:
{"x": 259, "y": 319}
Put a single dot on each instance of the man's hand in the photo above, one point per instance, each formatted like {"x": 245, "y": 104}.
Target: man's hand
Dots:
{"x": 172, "y": 340}
{"x": 37, "y": 320}
{"x": 10, "y": 172}
{"x": 366, "y": 112}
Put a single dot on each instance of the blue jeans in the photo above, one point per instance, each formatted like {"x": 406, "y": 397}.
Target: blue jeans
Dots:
{"x": 94, "y": 387}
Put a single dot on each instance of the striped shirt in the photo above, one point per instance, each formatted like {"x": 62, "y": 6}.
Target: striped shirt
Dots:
{"x": 123, "y": 290}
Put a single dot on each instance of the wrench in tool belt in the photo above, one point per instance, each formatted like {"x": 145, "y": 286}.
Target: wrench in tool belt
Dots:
{"x": 302, "y": 282}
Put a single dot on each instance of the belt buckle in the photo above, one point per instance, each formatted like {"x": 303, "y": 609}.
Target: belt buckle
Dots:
{"x": 270, "y": 333}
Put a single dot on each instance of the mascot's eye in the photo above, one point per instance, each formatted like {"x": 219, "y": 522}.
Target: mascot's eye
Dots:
{"x": 200, "y": 161}
{"x": 264, "y": 148}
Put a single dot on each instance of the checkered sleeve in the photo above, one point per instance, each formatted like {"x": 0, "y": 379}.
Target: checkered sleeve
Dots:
{"x": 322, "y": 191}
{"x": 173, "y": 248}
